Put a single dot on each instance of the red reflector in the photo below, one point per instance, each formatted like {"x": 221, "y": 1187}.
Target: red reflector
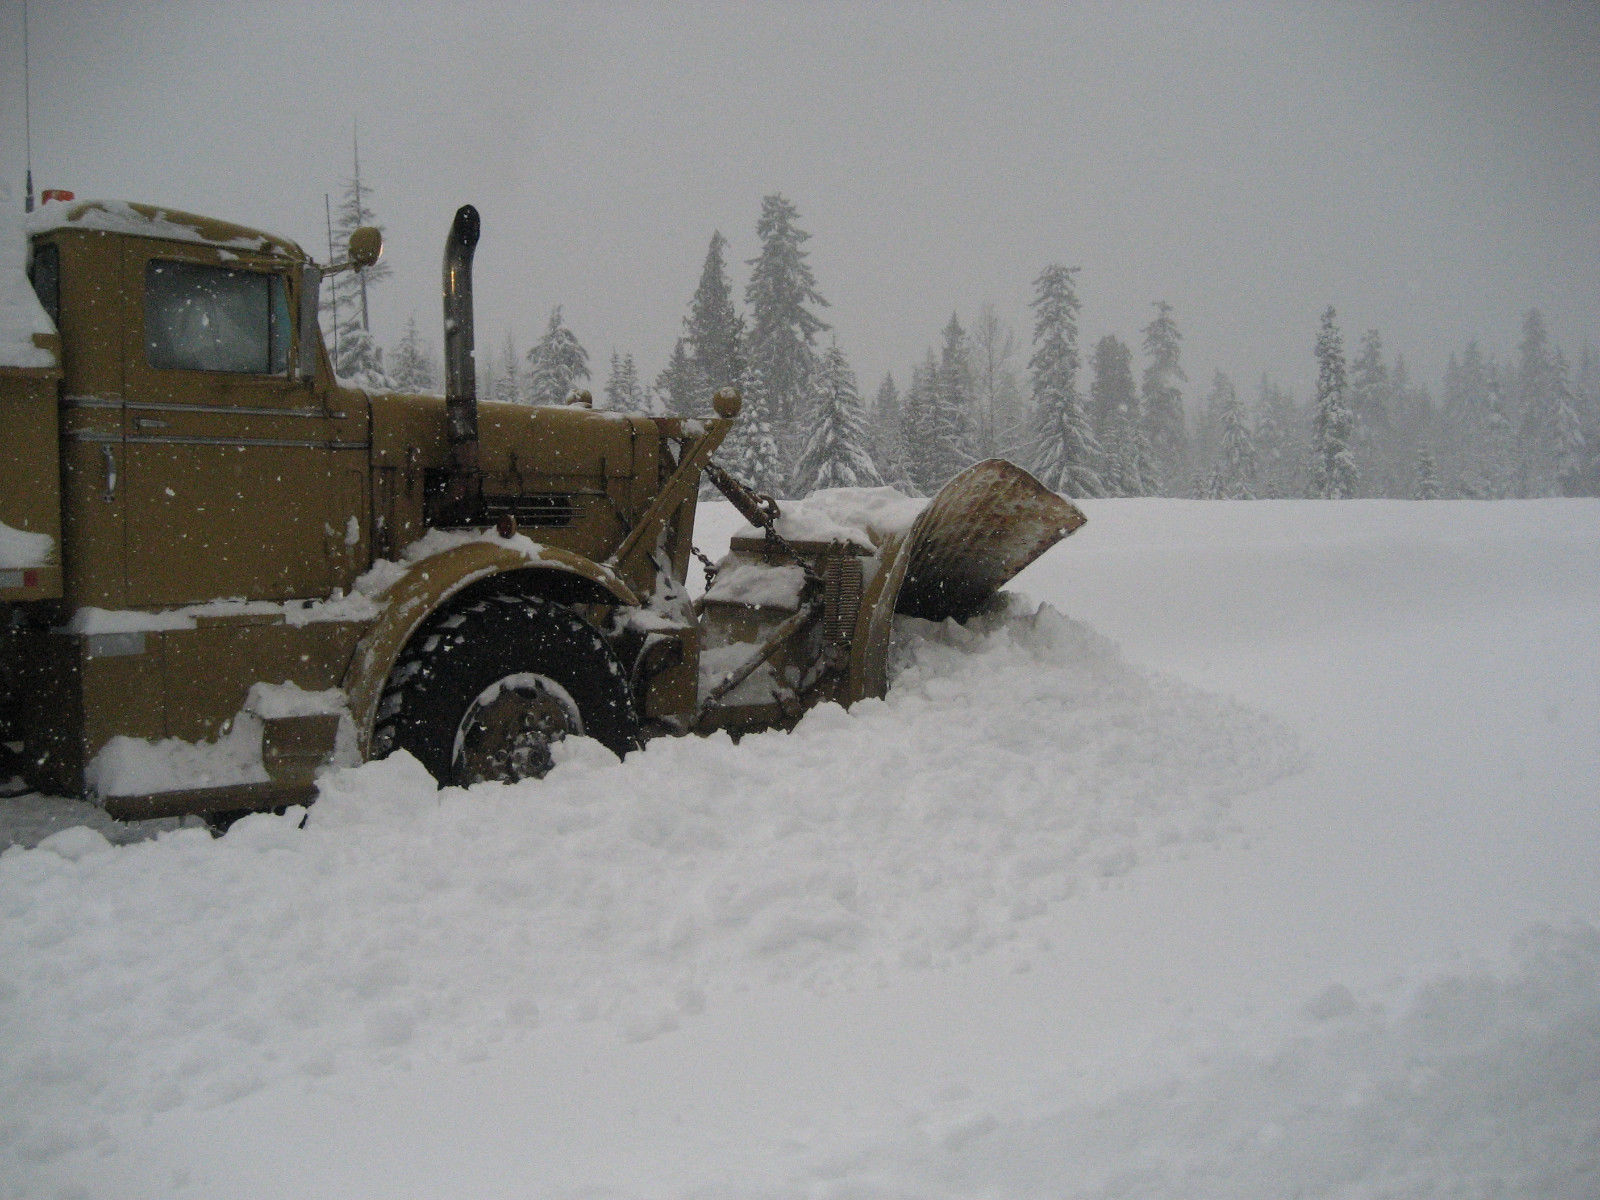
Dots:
{"x": 30, "y": 579}
{"x": 50, "y": 194}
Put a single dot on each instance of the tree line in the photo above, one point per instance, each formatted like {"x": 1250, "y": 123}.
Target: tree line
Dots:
{"x": 1108, "y": 427}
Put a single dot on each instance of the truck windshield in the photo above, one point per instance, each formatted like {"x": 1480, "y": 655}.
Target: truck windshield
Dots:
{"x": 201, "y": 318}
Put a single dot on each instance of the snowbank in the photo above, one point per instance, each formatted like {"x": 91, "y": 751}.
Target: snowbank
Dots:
{"x": 406, "y": 920}
{"x": 1474, "y": 1083}
{"x": 1042, "y": 922}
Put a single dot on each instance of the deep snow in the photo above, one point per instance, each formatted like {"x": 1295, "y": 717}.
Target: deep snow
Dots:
{"x": 1261, "y": 862}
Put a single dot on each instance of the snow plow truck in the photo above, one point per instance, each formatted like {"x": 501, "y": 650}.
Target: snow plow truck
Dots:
{"x": 222, "y": 569}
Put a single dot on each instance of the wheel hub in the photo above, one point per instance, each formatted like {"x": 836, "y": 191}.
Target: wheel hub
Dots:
{"x": 507, "y": 732}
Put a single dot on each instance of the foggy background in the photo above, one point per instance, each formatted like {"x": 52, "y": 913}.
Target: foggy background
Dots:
{"x": 1432, "y": 170}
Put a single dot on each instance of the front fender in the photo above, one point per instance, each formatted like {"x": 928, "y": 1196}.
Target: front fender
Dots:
{"x": 430, "y": 583}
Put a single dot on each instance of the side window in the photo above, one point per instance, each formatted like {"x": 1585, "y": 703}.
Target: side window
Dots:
{"x": 45, "y": 272}
{"x": 199, "y": 318}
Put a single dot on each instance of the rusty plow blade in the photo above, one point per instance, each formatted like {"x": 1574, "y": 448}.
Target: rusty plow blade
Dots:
{"x": 983, "y": 527}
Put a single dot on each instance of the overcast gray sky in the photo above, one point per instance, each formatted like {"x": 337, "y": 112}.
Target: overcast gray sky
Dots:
{"x": 1433, "y": 170}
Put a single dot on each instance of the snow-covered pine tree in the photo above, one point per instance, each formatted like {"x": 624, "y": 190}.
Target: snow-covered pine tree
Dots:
{"x": 1553, "y": 450}
{"x": 508, "y": 383}
{"x": 951, "y": 433}
{"x": 1460, "y": 446}
{"x": 751, "y": 451}
{"x": 917, "y": 420}
{"x": 889, "y": 438}
{"x": 410, "y": 364}
{"x": 347, "y": 328}
{"x": 680, "y": 386}
{"x": 1333, "y": 424}
{"x": 1370, "y": 397}
{"x": 1586, "y": 397}
{"x": 1369, "y": 393}
{"x": 714, "y": 330}
{"x": 1236, "y": 451}
{"x": 359, "y": 359}
{"x": 1162, "y": 402}
{"x": 1498, "y": 465}
{"x": 1427, "y": 474}
{"x": 1567, "y": 448}
{"x": 1065, "y": 446}
{"x": 615, "y": 397}
{"x": 997, "y": 394}
{"x": 783, "y": 328}
{"x": 1114, "y": 407}
{"x": 838, "y": 452}
{"x": 1280, "y": 443}
{"x": 624, "y": 392}
{"x": 556, "y": 364}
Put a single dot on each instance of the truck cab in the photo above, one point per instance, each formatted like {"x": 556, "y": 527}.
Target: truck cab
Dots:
{"x": 190, "y": 495}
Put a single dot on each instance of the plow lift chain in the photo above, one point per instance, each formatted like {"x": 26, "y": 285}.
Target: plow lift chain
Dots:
{"x": 759, "y": 509}
{"x": 840, "y": 581}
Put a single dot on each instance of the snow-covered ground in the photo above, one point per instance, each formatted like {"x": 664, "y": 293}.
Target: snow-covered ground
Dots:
{"x": 1263, "y": 861}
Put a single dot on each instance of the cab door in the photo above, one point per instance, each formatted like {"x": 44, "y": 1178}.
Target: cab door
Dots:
{"x": 232, "y": 465}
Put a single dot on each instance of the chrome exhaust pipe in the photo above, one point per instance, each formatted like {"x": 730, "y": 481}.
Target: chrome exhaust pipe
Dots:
{"x": 458, "y": 500}
{"x": 460, "y": 363}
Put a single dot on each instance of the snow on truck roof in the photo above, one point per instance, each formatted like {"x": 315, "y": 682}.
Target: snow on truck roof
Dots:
{"x": 23, "y": 322}
{"x": 153, "y": 221}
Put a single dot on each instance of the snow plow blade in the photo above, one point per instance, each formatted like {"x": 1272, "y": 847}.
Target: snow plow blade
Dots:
{"x": 983, "y": 527}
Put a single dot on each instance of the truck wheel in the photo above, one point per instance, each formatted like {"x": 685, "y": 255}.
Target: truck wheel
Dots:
{"x": 483, "y": 692}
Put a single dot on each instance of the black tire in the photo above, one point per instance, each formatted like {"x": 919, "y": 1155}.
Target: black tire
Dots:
{"x": 482, "y": 691}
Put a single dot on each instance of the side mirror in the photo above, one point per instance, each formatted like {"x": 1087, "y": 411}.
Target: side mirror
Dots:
{"x": 366, "y": 247}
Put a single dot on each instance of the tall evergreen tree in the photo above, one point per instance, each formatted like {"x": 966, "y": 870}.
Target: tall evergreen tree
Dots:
{"x": 1280, "y": 446}
{"x": 1586, "y": 400}
{"x": 680, "y": 385}
{"x": 918, "y": 420}
{"x": 1162, "y": 401}
{"x": 1234, "y": 474}
{"x": 410, "y": 365}
{"x": 1334, "y": 477}
{"x": 997, "y": 395}
{"x": 1498, "y": 468}
{"x": 1461, "y": 446}
{"x": 781, "y": 296}
{"x": 714, "y": 329}
{"x": 1370, "y": 398}
{"x": 347, "y": 327}
{"x": 1114, "y": 405}
{"x": 1066, "y": 450}
{"x": 1566, "y": 450}
{"x": 556, "y": 364}
{"x": 751, "y": 451}
{"x": 838, "y": 452}
{"x": 889, "y": 438}
{"x": 624, "y": 392}
{"x": 508, "y": 384}
{"x": 1369, "y": 394}
{"x": 1427, "y": 474}
{"x": 1551, "y": 438}
{"x": 951, "y": 433}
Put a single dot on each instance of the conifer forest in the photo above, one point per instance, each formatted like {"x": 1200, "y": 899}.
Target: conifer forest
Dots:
{"x": 1115, "y": 419}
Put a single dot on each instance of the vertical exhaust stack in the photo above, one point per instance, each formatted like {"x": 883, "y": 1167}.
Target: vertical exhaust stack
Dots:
{"x": 463, "y": 496}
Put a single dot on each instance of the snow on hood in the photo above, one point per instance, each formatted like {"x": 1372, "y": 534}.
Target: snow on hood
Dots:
{"x": 862, "y": 516}
{"x": 21, "y": 315}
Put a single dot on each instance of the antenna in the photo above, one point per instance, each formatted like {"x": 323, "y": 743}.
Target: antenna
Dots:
{"x": 27, "y": 107}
